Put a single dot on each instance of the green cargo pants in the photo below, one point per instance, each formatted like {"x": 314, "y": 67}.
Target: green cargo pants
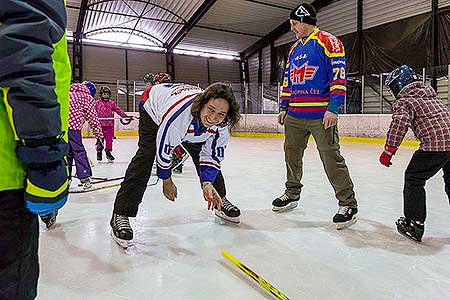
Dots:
{"x": 297, "y": 133}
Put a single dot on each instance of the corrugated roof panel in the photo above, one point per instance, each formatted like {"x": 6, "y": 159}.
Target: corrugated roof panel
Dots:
{"x": 200, "y": 39}
{"x": 338, "y": 18}
{"x": 72, "y": 18}
{"x": 444, "y": 3}
{"x": 378, "y": 12}
{"x": 76, "y": 3}
{"x": 285, "y": 3}
{"x": 101, "y": 15}
{"x": 244, "y": 16}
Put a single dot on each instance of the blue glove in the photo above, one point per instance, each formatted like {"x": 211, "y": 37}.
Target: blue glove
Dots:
{"x": 47, "y": 185}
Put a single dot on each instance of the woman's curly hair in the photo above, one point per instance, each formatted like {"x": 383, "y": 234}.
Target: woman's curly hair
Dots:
{"x": 218, "y": 90}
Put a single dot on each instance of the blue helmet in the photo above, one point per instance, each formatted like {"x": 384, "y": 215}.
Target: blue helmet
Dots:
{"x": 399, "y": 78}
{"x": 91, "y": 87}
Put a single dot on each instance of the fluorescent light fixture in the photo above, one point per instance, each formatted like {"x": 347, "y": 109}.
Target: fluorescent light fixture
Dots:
{"x": 206, "y": 54}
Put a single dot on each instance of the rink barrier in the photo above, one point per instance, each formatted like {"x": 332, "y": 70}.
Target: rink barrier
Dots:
{"x": 366, "y": 128}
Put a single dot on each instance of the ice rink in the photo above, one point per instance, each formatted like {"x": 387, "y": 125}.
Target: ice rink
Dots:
{"x": 177, "y": 247}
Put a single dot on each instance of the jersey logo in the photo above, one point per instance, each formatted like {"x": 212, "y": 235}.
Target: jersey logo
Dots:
{"x": 303, "y": 73}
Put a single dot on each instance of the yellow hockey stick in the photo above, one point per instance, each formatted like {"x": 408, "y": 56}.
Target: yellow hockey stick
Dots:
{"x": 267, "y": 286}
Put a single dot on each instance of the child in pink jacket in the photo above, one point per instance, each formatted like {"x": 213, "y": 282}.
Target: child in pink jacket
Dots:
{"x": 105, "y": 111}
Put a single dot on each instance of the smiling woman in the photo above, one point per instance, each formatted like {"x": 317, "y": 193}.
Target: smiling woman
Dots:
{"x": 177, "y": 114}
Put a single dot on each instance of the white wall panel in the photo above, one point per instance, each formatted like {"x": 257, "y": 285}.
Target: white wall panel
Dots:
{"x": 189, "y": 69}
{"x": 224, "y": 70}
{"x": 143, "y": 62}
{"x": 339, "y": 18}
{"x": 378, "y": 12}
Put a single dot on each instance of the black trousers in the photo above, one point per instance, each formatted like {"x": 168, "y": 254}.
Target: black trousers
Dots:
{"x": 139, "y": 170}
{"x": 19, "y": 232}
{"x": 423, "y": 166}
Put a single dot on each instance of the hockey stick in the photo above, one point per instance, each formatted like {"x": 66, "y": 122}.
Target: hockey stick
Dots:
{"x": 103, "y": 180}
{"x": 264, "y": 284}
{"x": 97, "y": 188}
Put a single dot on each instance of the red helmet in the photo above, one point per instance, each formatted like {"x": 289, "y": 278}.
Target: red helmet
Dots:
{"x": 162, "y": 78}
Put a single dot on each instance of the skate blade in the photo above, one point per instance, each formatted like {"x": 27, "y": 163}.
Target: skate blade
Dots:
{"x": 220, "y": 214}
{"x": 410, "y": 237}
{"x": 340, "y": 226}
{"x": 288, "y": 207}
{"x": 122, "y": 243}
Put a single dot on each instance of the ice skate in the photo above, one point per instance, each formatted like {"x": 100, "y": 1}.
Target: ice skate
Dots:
{"x": 49, "y": 219}
{"x": 121, "y": 231}
{"x": 99, "y": 155}
{"x": 284, "y": 203}
{"x": 109, "y": 156}
{"x": 228, "y": 212}
{"x": 86, "y": 183}
{"x": 411, "y": 229}
{"x": 345, "y": 217}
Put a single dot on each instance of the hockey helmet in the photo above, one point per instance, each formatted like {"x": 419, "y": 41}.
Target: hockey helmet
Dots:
{"x": 162, "y": 78}
{"x": 149, "y": 77}
{"x": 91, "y": 87}
{"x": 398, "y": 79}
{"x": 105, "y": 89}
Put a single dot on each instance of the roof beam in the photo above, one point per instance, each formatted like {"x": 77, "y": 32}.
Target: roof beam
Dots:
{"x": 201, "y": 11}
{"x": 280, "y": 30}
{"x": 81, "y": 18}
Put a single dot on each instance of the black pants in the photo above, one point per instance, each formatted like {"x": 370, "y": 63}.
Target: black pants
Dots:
{"x": 19, "y": 232}
{"x": 423, "y": 166}
{"x": 139, "y": 170}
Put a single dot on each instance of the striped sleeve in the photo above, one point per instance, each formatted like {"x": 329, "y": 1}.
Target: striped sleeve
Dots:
{"x": 170, "y": 133}
{"x": 337, "y": 72}
{"x": 286, "y": 87}
{"x": 213, "y": 153}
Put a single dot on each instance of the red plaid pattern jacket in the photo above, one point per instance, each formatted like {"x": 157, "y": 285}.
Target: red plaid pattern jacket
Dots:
{"x": 419, "y": 108}
{"x": 82, "y": 108}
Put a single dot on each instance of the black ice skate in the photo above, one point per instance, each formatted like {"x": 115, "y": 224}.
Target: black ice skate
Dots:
{"x": 345, "y": 217}
{"x": 49, "y": 219}
{"x": 410, "y": 229}
{"x": 284, "y": 203}
{"x": 99, "y": 155}
{"x": 86, "y": 183}
{"x": 228, "y": 211}
{"x": 178, "y": 169}
{"x": 121, "y": 231}
{"x": 109, "y": 156}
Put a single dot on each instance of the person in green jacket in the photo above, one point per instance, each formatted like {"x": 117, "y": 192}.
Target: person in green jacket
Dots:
{"x": 34, "y": 91}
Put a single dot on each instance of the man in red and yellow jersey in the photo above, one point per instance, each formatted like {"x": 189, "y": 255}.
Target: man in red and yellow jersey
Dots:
{"x": 314, "y": 89}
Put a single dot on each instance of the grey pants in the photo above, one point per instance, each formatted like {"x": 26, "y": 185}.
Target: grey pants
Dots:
{"x": 297, "y": 133}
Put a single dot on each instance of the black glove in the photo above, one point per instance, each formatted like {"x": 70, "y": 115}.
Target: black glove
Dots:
{"x": 46, "y": 187}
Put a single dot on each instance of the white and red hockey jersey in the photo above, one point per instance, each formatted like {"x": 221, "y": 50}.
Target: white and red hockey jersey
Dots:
{"x": 169, "y": 105}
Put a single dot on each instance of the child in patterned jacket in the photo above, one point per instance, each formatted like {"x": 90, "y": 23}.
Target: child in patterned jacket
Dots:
{"x": 105, "y": 110}
{"x": 81, "y": 109}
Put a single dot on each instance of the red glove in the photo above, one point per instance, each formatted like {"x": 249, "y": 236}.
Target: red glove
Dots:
{"x": 386, "y": 155}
